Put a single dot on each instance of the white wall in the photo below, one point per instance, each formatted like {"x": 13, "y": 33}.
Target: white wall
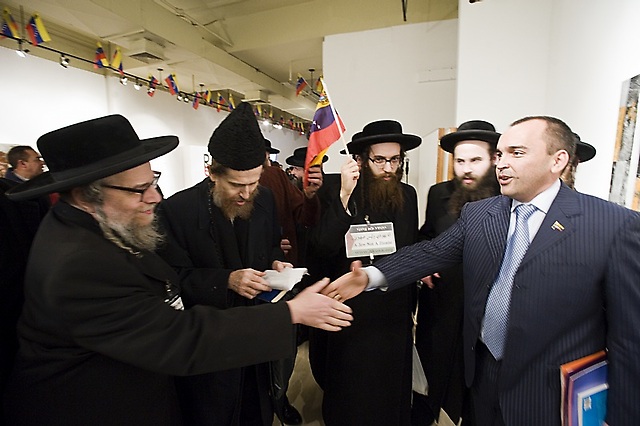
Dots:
{"x": 565, "y": 58}
{"x": 40, "y": 96}
{"x": 404, "y": 73}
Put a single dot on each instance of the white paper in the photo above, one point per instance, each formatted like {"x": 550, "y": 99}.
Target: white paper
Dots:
{"x": 286, "y": 279}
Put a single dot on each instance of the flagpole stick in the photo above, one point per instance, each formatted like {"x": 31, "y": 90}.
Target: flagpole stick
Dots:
{"x": 335, "y": 116}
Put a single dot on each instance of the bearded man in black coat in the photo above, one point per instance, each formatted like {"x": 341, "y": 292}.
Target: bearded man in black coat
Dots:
{"x": 359, "y": 388}
{"x": 440, "y": 306}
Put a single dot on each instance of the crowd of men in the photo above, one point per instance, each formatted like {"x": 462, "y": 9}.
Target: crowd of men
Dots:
{"x": 140, "y": 310}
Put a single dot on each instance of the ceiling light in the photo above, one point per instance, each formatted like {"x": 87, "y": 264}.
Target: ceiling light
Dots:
{"x": 137, "y": 86}
{"x": 265, "y": 122}
{"x": 123, "y": 80}
{"x": 179, "y": 97}
{"x": 150, "y": 90}
{"x": 277, "y": 126}
{"x": 64, "y": 61}
{"x": 186, "y": 99}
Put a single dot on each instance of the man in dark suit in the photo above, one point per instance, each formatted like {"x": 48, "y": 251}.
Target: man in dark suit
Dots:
{"x": 223, "y": 235}
{"x": 103, "y": 330}
{"x": 575, "y": 291}
{"x": 440, "y": 302}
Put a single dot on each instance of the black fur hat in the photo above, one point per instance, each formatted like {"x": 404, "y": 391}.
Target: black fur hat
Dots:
{"x": 237, "y": 142}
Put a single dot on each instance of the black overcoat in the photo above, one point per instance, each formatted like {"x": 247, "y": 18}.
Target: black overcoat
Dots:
{"x": 98, "y": 343}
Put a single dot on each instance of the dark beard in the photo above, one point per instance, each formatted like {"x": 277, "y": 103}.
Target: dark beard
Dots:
{"x": 487, "y": 187}
{"x": 379, "y": 195}
{"x": 230, "y": 209}
{"x": 128, "y": 236}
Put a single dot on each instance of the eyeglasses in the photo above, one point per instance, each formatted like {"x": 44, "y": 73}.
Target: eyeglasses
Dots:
{"x": 382, "y": 161}
{"x": 141, "y": 190}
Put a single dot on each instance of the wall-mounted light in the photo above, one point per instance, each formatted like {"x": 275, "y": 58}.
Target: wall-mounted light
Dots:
{"x": 123, "y": 80}
{"x": 64, "y": 61}
{"x": 179, "y": 97}
{"x": 137, "y": 86}
{"x": 186, "y": 99}
{"x": 277, "y": 126}
{"x": 265, "y": 122}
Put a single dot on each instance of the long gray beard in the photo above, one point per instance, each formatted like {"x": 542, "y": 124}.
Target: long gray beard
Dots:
{"x": 128, "y": 237}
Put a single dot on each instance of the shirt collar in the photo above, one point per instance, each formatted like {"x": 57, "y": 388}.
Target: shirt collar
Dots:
{"x": 543, "y": 200}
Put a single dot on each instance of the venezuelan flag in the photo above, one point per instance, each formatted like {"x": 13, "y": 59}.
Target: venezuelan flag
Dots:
{"x": 37, "y": 32}
{"x": 101, "y": 59}
{"x": 207, "y": 97}
{"x": 153, "y": 83}
{"x": 196, "y": 100}
{"x": 300, "y": 84}
{"x": 324, "y": 132}
{"x": 9, "y": 26}
{"x": 116, "y": 62}
{"x": 232, "y": 104}
{"x": 221, "y": 102}
{"x": 173, "y": 85}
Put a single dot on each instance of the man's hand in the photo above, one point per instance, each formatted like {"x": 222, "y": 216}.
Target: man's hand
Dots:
{"x": 349, "y": 174}
{"x": 428, "y": 280}
{"x": 248, "y": 282}
{"x": 349, "y": 285}
{"x": 285, "y": 245}
{"x": 279, "y": 266}
{"x": 314, "y": 181}
{"x": 315, "y": 310}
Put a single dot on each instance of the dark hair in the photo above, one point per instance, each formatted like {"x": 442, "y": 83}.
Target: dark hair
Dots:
{"x": 217, "y": 169}
{"x": 558, "y": 134}
{"x": 18, "y": 153}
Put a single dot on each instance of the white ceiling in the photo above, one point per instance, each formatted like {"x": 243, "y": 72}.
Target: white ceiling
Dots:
{"x": 249, "y": 47}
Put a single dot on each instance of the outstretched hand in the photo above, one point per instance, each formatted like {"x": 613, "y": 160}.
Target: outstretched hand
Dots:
{"x": 349, "y": 285}
{"x": 311, "y": 308}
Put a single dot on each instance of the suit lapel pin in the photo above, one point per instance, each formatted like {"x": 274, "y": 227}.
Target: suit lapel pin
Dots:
{"x": 557, "y": 226}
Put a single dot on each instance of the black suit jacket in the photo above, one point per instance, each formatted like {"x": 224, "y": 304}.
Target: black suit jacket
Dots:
{"x": 577, "y": 291}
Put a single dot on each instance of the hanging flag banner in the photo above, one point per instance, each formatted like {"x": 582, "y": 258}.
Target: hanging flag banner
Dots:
{"x": 9, "y": 26}
{"x": 37, "y": 32}
{"x": 300, "y": 84}
{"x": 116, "y": 62}
{"x": 101, "y": 60}
{"x": 196, "y": 100}
{"x": 172, "y": 83}
{"x": 221, "y": 101}
{"x": 153, "y": 83}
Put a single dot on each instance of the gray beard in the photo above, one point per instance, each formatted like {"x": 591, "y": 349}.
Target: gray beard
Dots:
{"x": 128, "y": 237}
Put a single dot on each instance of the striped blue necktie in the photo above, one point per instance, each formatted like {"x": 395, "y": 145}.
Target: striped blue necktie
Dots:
{"x": 496, "y": 314}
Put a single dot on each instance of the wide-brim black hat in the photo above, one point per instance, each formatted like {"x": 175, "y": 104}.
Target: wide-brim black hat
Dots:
{"x": 237, "y": 142}
{"x": 382, "y": 131}
{"x": 85, "y": 152}
{"x": 471, "y": 130}
{"x": 269, "y": 148}
{"x": 299, "y": 156}
{"x": 584, "y": 151}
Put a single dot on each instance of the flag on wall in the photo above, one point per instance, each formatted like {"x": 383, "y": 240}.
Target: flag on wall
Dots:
{"x": 101, "y": 59}
{"x": 319, "y": 88}
{"x": 37, "y": 32}
{"x": 221, "y": 101}
{"x": 9, "y": 26}
{"x": 207, "y": 97}
{"x": 300, "y": 84}
{"x": 172, "y": 83}
{"x": 324, "y": 132}
{"x": 116, "y": 62}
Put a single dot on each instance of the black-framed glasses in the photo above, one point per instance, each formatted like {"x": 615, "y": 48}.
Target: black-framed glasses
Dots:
{"x": 382, "y": 161}
{"x": 141, "y": 190}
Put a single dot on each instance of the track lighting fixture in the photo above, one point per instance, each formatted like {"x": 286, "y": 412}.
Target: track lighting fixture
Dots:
{"x": 64, "y": 61}
{"x": 137, "y": 85}
{"x": 22, "y": 52}
{"x": 123, "y": 80}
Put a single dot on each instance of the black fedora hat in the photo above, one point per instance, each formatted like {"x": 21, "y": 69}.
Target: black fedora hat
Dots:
{"x": 88, "y": 151}
{"x": 584, "y": 151}
{"x": 478, "y": 130}
{"x": 382, "y": 131}
{"x": 299, "y": 156}
{"x": 269, "y": 148}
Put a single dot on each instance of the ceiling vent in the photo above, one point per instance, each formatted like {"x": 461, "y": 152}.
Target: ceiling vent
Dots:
{"x": 146, "y": 50}
{"x": 256, "y": 97}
